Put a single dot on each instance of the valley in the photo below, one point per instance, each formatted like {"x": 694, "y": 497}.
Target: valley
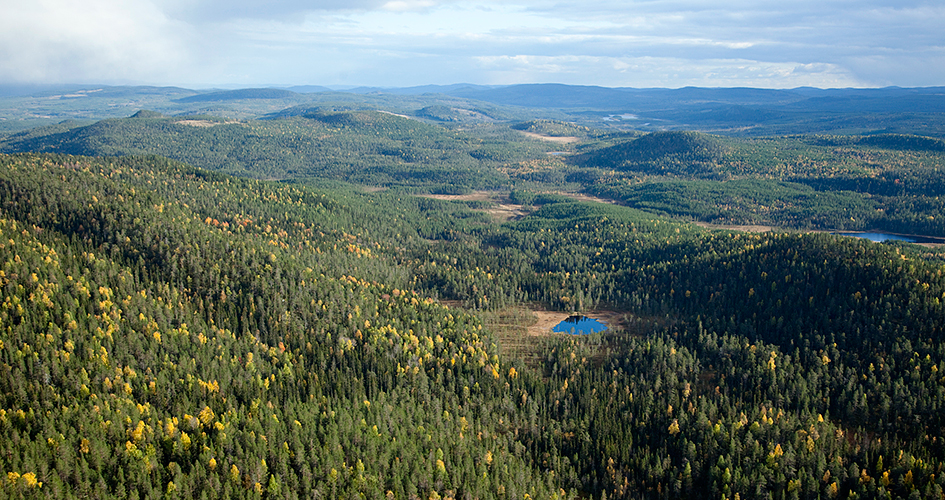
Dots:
{"x": 270, "y": 294}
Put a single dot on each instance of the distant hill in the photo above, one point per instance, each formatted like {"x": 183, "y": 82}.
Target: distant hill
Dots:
{"x": 743, "y": 96}
{"x": 361, "y": 145}
{"x": 553, "y": 95}
{"x": 726, "y": 111}
{"x": 443, "y": 113}
{"x": 422, "y": 89}
{"x": 604, "y": 98}
{"x": 901, "y": 142}
{"x": 233, "y": 95}
{"x": 738, "y": 111}
{"x": 308, "y": 89}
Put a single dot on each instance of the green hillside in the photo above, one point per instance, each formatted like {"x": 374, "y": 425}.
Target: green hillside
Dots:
{"x": 171, "y": 331}
{"x": 175, "y": 332}
{"x": 552, "y": 128}
{"x": 887, "y": 182}
{"x": 366, "y": 147}
{"x": 661, "y": 153}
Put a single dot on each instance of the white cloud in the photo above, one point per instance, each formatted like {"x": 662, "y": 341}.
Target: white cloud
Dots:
{"x": 213, "y": 11}
{"x": 408, "y": 42}
{"x": 95, "y": 40}
{"x": 407, "y": 5}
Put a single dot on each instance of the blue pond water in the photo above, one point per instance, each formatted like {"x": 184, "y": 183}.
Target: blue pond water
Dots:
{"x": 880, "y": 237}
{"x": 579, "y": 325}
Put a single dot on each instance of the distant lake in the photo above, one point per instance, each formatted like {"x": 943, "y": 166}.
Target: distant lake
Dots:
{"x": 881, "y": 237}
{"x": 579, "y": 325}
{"x": 625, "y": 116}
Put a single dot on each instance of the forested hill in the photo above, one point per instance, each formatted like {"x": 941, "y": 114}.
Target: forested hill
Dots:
{"x": 730, "y": 111}
{"x": 367, "y": 147}
{"x": 888, "y": 182}
{"x": 170, "y": 331}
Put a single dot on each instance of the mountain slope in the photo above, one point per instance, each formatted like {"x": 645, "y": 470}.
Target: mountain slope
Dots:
{"x": 151, "y": 349}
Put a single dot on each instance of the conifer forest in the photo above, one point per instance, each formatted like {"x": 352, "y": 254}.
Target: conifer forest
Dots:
{"x": 342, "y": 299}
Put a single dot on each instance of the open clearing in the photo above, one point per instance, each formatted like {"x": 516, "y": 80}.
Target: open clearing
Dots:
{"x": 584, "y": 197}
{"x": 204, "y": 123}
{"x": 745, "y": 228}
{"x": 502, "y": 210}
{"x": 523, "y": 332}
{"x": 549, "y": 138}
{"x": 393, "y": 114}
{"x": 546, "y": 320}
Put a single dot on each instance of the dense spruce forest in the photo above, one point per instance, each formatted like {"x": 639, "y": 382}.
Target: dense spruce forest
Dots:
{"x": 336, "y": 303}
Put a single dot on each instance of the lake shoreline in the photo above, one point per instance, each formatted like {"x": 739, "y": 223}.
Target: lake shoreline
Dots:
{"x": 886, "y": 236}
{"x": 917, "y": 239}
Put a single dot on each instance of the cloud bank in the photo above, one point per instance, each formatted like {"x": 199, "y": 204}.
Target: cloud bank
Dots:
{"x": 829, "y": 43}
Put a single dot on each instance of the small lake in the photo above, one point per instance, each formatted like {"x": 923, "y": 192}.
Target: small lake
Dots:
{"x": 625, "y": 116}
{"x": 881, "y": 237}
{"x": 579, "y": 325}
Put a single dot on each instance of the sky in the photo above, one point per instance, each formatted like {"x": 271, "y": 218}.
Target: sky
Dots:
{"x": 402, "y": 43}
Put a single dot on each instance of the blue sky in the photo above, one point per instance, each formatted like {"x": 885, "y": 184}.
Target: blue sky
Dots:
{"x": 650, "y": 43}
